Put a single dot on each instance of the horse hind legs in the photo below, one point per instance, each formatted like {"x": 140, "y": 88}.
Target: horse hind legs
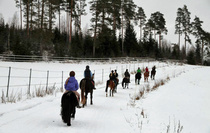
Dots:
{"x": 69, "y": 121}
{"x": 91, "y": 99}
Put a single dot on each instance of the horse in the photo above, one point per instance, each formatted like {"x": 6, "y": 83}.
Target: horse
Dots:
{"x": 68, "y": 104}
{"x": 125, "y": 82}
{"x": 111, "y": 85}
{"x": 153, "y": 72}
{"x": 86, "y": 87}
{"x": 137, "y": 78}
{"x": 146, "y": 75}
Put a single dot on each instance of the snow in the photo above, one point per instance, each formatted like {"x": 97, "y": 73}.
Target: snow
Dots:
{"x": 183, "y": 100}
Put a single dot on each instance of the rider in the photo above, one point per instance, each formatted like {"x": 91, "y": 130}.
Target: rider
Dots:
{"x": 71, "y": 84}
{"x": 139, "y": 70}
{"x": 127, "y": 75}
{"x": 88, "y": 75}
{"x": 147, "y": 70}
{"x": 113, "y": 77}
{"x": 116, "y": 75}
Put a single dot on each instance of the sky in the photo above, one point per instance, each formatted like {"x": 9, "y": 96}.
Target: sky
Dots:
{"x": 169, "y": 8}
{"x": 182, "y": 100}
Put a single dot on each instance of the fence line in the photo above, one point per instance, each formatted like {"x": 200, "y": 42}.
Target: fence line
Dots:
{"x": 33, "y": 58}
{"x": 50, "y": 78}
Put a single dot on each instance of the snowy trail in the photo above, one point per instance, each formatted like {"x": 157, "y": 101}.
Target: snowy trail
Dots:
{"x": 182, "y": 93}
{"x": 44, "y": 116}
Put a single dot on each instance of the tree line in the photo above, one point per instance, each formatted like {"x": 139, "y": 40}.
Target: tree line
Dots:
{"x": 111, "y": 33}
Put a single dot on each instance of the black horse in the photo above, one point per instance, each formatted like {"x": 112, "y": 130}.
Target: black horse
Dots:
{"x": 86, "y": 86}
{"x": 153, "y": 72}
{"x": 137, "y": 77}
{"x": 68, "y": 104}
{"x": 125, "y": 82}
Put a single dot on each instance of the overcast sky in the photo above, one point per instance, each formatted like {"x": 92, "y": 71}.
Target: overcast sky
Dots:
{"x": 200, "y": 8}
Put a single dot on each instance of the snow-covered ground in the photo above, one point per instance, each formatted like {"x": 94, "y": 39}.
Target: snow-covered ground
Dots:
{"x": 181, "y": 103}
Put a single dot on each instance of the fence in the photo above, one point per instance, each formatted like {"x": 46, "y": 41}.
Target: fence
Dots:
{"x": 28, "y": 79}
{"x": 30, "y": 58}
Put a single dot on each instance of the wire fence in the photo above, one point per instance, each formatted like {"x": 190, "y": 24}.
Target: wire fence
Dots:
{"x": 33, "y": 58}
{"x": 28, "y": 80}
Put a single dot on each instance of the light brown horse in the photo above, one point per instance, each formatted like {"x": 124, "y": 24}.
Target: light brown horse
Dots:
{"x": 111, "y": 85}
{"x": 146, "y": 75}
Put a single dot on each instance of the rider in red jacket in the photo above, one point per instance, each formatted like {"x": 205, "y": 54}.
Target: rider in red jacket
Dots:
{"x": 147, "y": 69}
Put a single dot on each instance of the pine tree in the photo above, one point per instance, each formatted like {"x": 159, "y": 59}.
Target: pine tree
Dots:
{"x": 2, "y": 35}
{"x": 127, "y": 14}
{"x": 198, "y": 53}
{"x": 186, "y": 24}
{"x": 191, "y": 57}
{"x": 130, "y": 42}
{"x": 199, "y": 33}
{"x": 159, "y": 25}
{"x": 141, "y": 17}
{"x": 95, "y": 10}
{"x": 178, "y": 22}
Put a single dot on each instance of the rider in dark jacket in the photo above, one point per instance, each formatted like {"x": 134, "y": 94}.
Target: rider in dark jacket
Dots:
{"x": 88, "y": 75}
{"x": 116, "y": 76}
{"x": 87, "y": 72}
{"x": 113, "y": 77}
{"x": 127, "y": 75}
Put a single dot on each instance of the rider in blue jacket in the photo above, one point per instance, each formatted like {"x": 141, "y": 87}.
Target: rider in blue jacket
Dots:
{"x": 71, "y": 84}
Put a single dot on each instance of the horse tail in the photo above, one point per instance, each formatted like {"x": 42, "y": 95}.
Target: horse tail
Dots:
{"x": 107, "y": 84}
{"x": 135, "y": 77}
{"x": 82, "y": 87}
{"x": 123, "y": 82}
{"x": 65, "y": 107}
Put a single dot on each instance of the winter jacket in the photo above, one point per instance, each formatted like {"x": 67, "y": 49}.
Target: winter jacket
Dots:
{"x": 116, "y": 75}
{"x": 87, "y": 73}
{"x": 112, "y": 76}
{"x": 71, "y": 84}
{"x": 127, "y": 74}
{"x": 139, "y": 71}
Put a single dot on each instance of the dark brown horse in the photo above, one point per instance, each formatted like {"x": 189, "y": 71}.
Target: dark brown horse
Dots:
{"x": 153, "y": 72}
{"x": 86, "y": 86}
{"x": 137, "y": 78}
{"x": 111, "y": 85}
{"x": 125, "y": 82}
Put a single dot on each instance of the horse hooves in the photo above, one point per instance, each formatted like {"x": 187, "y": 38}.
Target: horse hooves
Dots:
{"x": 68, "y": 124}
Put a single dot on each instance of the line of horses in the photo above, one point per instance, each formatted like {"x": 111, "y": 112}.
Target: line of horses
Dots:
{"x": 69, "y": 99}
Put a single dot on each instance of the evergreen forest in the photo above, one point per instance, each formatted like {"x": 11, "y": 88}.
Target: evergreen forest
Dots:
{"x": 41, "y": 28}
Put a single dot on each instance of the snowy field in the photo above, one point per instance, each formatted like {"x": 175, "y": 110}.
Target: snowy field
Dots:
{"x": 181, "y": 103}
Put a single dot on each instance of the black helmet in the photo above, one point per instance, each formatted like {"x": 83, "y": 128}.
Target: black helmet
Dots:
{"x": 87, "y": 67}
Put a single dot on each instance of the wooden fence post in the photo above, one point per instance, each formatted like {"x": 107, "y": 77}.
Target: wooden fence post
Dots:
{"x": 47, "y": 80}
{"x": 8, "y": 81}
{"x": 29, "y": 85}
